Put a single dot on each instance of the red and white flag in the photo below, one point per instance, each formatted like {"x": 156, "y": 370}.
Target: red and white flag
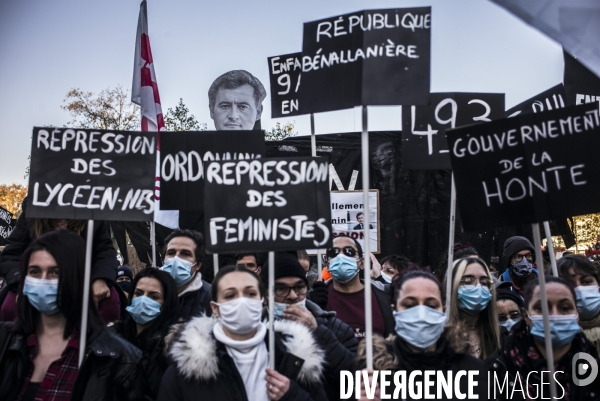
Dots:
{"x": 144, "y": 92}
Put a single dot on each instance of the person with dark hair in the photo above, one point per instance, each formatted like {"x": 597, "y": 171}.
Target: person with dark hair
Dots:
{"x": 334, "y": 336}
{"x": 235, "y": 101}
{"x": 585, "y": 278}
{"x": 104, "y": 260}
{"x": 154, "y": 308}
{"x": 524, "y": 350}
{"x": 312, "y": 274}
{"x": 421, "y": 342}
{"x": 344, "y": 292}
{"x": 392, "y": 265}
{"x": 226, "y": 357}
{"x": 124, "y": 278}
{"x": 184, "y": 254}
{"x": 520, "y": 270}
{"x": 473, "y": 306}
{"x": 360, "y": 216}
{"x": 508, "y": 305}
{"x": 40, "y": 351}
{"x": 250, "y": 260}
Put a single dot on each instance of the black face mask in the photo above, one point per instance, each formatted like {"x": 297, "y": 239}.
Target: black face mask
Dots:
{"x": 125, "y": 285}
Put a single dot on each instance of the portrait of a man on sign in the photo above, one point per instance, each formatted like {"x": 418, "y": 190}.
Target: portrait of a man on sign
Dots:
{"x": 360, "y": 217}
{"x": 235, "y": 101}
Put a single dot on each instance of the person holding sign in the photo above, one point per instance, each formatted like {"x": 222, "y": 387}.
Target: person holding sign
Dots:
{"x": 225, "y": 357}
{"x": 40, "y": 350}
{"x": 184, "y": 254}
{"x": 154, "y": 308}
{"x": 421, "y": 342}
{"x": 520, "y": 271}
{"x": 345, "y": 291}
{"x": 335, "y": 337}
{"x": 235, "y": 101}
{"x": 473, "y": 306}
{"x": 524, "y": 352}
{"x": 104, "y": 258}
{"x": 585, "y": 278}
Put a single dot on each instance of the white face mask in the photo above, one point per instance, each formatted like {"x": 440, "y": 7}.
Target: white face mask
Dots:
{"x": 241, "y": 315}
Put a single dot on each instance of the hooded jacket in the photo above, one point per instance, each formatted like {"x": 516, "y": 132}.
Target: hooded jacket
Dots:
{"x": 202, "y": 367}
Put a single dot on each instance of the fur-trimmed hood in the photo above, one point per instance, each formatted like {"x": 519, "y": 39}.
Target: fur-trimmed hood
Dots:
{"x": 193, "y": 348}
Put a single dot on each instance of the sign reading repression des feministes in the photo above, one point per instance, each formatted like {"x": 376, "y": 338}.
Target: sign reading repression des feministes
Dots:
{"x": 92, "y": 174}
{"x": 184, "y": 156}
{"x": 284, "y": 77}
{"x": 267, "y": 205}
{"x": 424, "y": 144}
{"x": 373, "y": 57}
{"x": 529, "y": 168}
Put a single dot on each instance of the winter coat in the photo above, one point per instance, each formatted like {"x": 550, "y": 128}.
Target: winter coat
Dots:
{"x": 394, "y": 354}
{"x": 110, "y": 370}
{"x": 195, "y": 299}
{"x": 202, "y": 368}
{"x": 104, "y": 255}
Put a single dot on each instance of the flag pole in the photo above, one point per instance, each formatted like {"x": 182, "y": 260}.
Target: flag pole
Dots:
{"x": 367, "y": 241}
{"x": 153, "y": 239}
{"x": 450, "y": 245}
{"x": 271, "y": 309}
{"x": 86, "y": 289}
{"x": 537, "y": 244}
{"x": 550, "y": 249}
{"x": 215, "y": 264}
{"x": 313, "y": 147}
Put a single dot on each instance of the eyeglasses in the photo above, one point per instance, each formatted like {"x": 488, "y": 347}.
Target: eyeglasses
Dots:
{"x": 348, "y": 251}
{"x": 284, "y": 290}
{"x": 470, "y": 280}
{"x": 513, "y": 316}
{"x": 519, "y": 258}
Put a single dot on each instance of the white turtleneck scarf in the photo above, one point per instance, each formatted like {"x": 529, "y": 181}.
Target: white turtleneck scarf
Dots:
{"x": 251, "y": 359}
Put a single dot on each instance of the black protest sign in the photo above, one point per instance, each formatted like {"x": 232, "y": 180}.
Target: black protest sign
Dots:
{"x": 373, "y": 57}
{"x": 529, "y": 168}
{"x": 551, "y": 99}
{"x": 284, "y": 76}
{"x": 6, "y": 224}
{"x": 424, "y": 143}
{"x": 267, "y": 205}
{"x": 184, "y": 156}
{"x": 92, "y": 174}
{"x": 581, "y": 84}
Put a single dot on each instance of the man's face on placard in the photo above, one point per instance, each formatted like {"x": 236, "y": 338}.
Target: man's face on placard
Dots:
{"x": 360, "y": 217}
{"x": 235, "y": 109}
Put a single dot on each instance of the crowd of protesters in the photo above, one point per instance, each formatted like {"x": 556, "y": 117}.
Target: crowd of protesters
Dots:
{"x": 167, "y": 334}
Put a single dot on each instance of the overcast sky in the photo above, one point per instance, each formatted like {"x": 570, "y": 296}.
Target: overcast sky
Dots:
{"x": 49, "y": 47}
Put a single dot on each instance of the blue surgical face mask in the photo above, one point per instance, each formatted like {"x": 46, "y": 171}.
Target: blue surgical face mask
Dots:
{"x": 42, "y": 294}
{"x": 473, "y": 298}
{"x": 179, "y": 269}
{"x": 509, "y": 323}
{"x": 563, "y": 328}
{"x": 386, "y": 278}
{"x": 420, "y": 326}
{"x": 143, "y": 310}
{"x": 343, "y": 268}
{"x": 522, "y": 268}
{"x": 588, "y": 301}
{"x": 280, "y": 307}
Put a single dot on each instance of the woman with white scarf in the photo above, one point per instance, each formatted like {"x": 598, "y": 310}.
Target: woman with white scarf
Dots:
{"x": 225, "y": 357}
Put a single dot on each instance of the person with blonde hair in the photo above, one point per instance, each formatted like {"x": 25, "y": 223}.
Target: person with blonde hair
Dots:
{"x": 473, "y": 306}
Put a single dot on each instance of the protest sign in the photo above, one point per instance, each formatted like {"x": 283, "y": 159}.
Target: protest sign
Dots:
{"x": 92, "y": 174}
{"x": 6, "y": 224}
{"x": 551, "y": 99}
{"x": 581, "y": 85}
{"x": 347, "y": 210}
{"x": 267, "y": 205}
{"x": 183, "y": 158}
{"x": 373, "y": 57}
{"x": 424, "y": 144}
{"x": 284, "y": 76}
{"x": 528, "y": 168}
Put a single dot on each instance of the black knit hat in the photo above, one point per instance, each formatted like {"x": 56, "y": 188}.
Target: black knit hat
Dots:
{"x": 125, "y": 271}
{"x": 286, "y": 265}
{"x": 514, "y": 245}
{"x": 504, "y": 292}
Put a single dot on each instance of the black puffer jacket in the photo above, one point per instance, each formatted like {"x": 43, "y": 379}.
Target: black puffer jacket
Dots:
{"x": 202, "y": 368}
{"x": 110, "y": 371}
{"x": 104, "y": 255}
